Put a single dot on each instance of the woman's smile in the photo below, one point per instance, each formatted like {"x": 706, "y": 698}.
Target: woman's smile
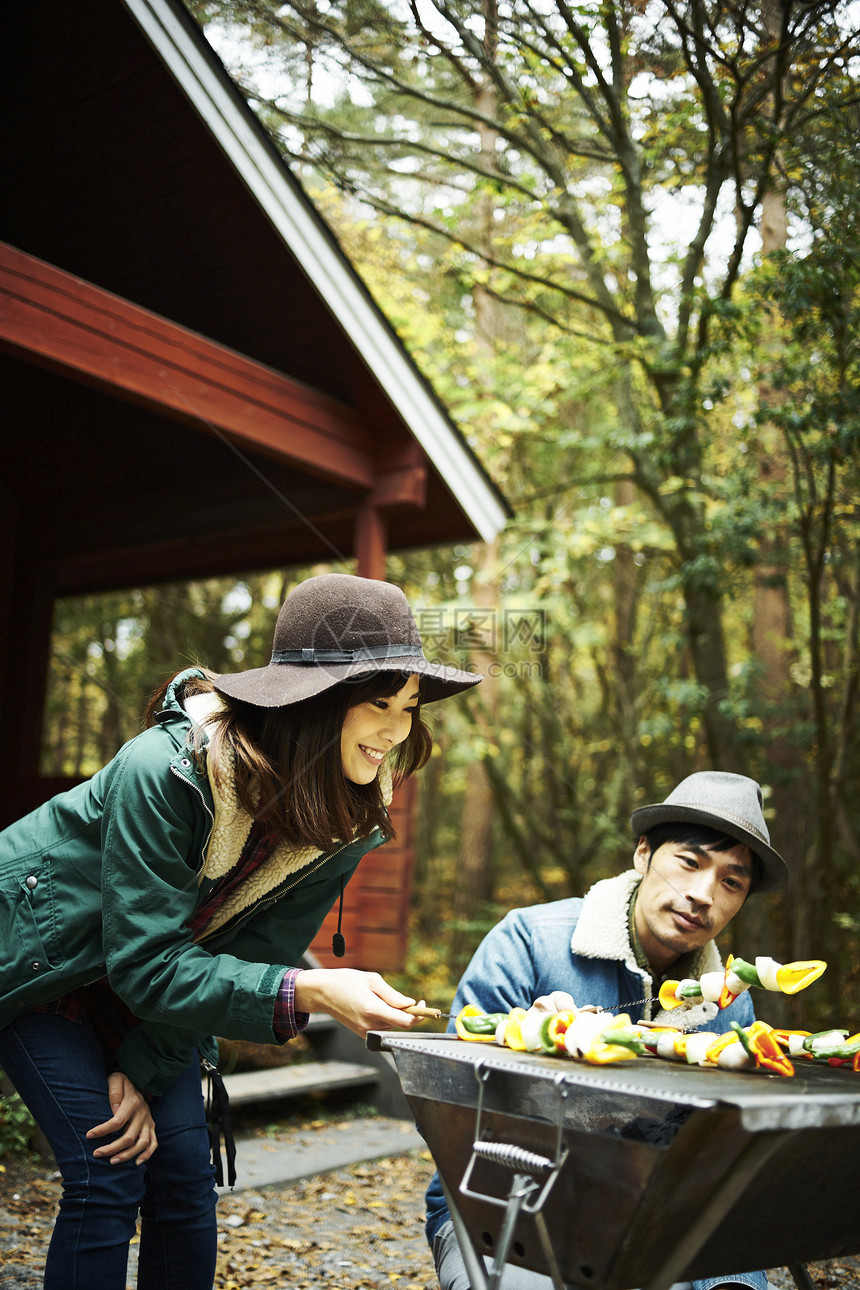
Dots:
{"x": 372, "y": 729}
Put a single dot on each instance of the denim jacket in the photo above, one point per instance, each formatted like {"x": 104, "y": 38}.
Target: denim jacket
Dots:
{"x": 582, "y": 946}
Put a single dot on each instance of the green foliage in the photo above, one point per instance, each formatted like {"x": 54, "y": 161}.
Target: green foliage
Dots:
{"x": 111, "y": 652}
{"x": 540, "y": 211}
{"x": 16, "y": 1126}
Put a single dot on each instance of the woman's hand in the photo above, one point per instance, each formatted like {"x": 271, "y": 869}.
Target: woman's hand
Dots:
{"x": 130, "y": 1113}
{"x": 361, "y": 1000}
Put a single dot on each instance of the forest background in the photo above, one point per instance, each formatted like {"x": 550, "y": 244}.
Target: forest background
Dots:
{"x": 620, "y": 239}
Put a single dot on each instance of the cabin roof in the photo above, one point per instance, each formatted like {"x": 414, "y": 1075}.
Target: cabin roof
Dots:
{"x": 132, "y": 162}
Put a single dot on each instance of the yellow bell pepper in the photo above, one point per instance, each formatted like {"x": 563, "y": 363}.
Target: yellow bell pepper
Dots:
{"x": 667, "y": 997}
{"x": 602, "y": 1051}
{"x": 679, "y": 1043}
{"x": 794, "y": 977}
{"x": 716, "y": 1047}
{"x": 476, "y": 1026}
{"x": 553, "y": 1030}
{"x": 513, "y": 1033}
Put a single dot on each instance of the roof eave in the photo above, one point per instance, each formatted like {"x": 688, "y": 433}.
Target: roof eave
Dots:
{"x": 257, "y": 162}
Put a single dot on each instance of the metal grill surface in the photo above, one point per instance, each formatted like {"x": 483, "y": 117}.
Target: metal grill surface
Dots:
{"x": 669, "y": 1172}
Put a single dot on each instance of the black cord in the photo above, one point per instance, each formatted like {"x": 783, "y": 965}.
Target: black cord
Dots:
{"x": 338, "y": 944}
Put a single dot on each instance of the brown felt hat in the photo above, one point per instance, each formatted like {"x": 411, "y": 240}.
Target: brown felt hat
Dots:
{"x": 336, "y": 628}
{"x": 730, "y": 803}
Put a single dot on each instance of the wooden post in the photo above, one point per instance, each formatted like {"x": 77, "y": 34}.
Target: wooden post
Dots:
{"x": 371, "y": 542}
{"x": 375, "y": 921}
{"x": 376, "y": 905}
{"x": 28, "y": 638}
{"x": 8, "y": 552}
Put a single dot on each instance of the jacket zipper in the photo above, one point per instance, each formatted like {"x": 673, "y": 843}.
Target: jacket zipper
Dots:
{"x": 245, "y": 914}
{"x": 204, "y": 804}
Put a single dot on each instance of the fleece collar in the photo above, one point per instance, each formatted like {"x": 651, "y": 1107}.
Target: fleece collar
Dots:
{"x": 602, "y": 933}
{"x": 233, "y": 824}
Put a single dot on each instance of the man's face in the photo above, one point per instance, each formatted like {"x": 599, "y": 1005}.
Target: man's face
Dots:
{"x": 686, "y": 897}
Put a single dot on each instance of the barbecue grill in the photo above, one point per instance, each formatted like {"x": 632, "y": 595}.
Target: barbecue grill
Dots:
{"x": 636, "y": 1174}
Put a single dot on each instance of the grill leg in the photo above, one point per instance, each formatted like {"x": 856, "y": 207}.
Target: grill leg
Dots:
{"x": 734, "y": 1183}
{"x": 801, "y": 1276}
{"x": 472, "y": 1259}
{"x": 549, "y": 1252}
{"x": 521, "y": 1188}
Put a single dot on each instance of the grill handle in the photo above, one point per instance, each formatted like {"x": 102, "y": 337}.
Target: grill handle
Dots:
{"x": 512, "y": 1157}
{"x": 521, "y": 1197}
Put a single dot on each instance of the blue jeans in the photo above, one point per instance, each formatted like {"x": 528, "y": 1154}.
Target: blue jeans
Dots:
{"x": 58, "y": 1068}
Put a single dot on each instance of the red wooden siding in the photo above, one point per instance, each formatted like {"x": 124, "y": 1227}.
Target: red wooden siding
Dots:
{"x": 376, "y": 902}
{"x": 71, "y": 325}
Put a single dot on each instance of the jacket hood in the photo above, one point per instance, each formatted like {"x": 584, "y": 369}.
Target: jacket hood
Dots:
{"x": 172, "y": 710}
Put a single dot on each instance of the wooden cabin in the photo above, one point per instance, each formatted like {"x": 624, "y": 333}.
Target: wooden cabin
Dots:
{"x": 194, "y": 379}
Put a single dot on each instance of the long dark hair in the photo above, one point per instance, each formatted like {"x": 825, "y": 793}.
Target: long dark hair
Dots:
{"x": 287, "y": 761}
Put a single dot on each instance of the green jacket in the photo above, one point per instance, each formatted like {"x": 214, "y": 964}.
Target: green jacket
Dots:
{"x": 103, "y": 880}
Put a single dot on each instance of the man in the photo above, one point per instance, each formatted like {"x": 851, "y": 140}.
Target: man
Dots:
{"x": 699, "y": 855}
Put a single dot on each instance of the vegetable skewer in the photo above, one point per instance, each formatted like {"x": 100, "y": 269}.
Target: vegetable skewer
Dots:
{"x": 722, "y": 988}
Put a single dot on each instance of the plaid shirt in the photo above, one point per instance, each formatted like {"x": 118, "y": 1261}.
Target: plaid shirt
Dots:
{"x": 110, "y": 1017}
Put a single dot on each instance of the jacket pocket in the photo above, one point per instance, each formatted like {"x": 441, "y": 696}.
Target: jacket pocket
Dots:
{"x": 29, "y": 934}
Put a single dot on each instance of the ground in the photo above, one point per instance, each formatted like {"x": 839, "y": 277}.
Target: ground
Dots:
{"x": 358, "y": 1228}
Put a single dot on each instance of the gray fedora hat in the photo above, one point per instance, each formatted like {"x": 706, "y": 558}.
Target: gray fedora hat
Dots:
{"x": 721, "y": 800}
{"x": 334, "y": 628}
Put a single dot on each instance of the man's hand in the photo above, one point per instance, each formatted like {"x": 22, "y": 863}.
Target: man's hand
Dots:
{"x": 130, "y": 1113}
{"x": 361, "y": 1000}
{"x": 558, "y": 1001}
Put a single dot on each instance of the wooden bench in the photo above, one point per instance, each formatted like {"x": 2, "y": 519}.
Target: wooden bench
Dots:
{"x": 297, "y": 1080}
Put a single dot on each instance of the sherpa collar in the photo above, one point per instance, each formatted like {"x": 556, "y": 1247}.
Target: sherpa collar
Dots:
{"x": 602, "y": 933}
{"x": 232, "y": 826}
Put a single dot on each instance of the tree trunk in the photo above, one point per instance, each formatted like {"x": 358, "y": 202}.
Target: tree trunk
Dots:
{"x": 474, "y": 882}
{"x": 473, "y": 888}
{"x": 772, "y": 625}
{"x": 699, "y": 567}
{"x": 624, "y": 673}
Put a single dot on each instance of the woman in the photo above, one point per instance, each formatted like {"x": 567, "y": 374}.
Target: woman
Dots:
{"x": 169, "y": 898}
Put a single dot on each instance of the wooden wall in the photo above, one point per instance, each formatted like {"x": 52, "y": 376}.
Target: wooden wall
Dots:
{"x": 376, "y": 902}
